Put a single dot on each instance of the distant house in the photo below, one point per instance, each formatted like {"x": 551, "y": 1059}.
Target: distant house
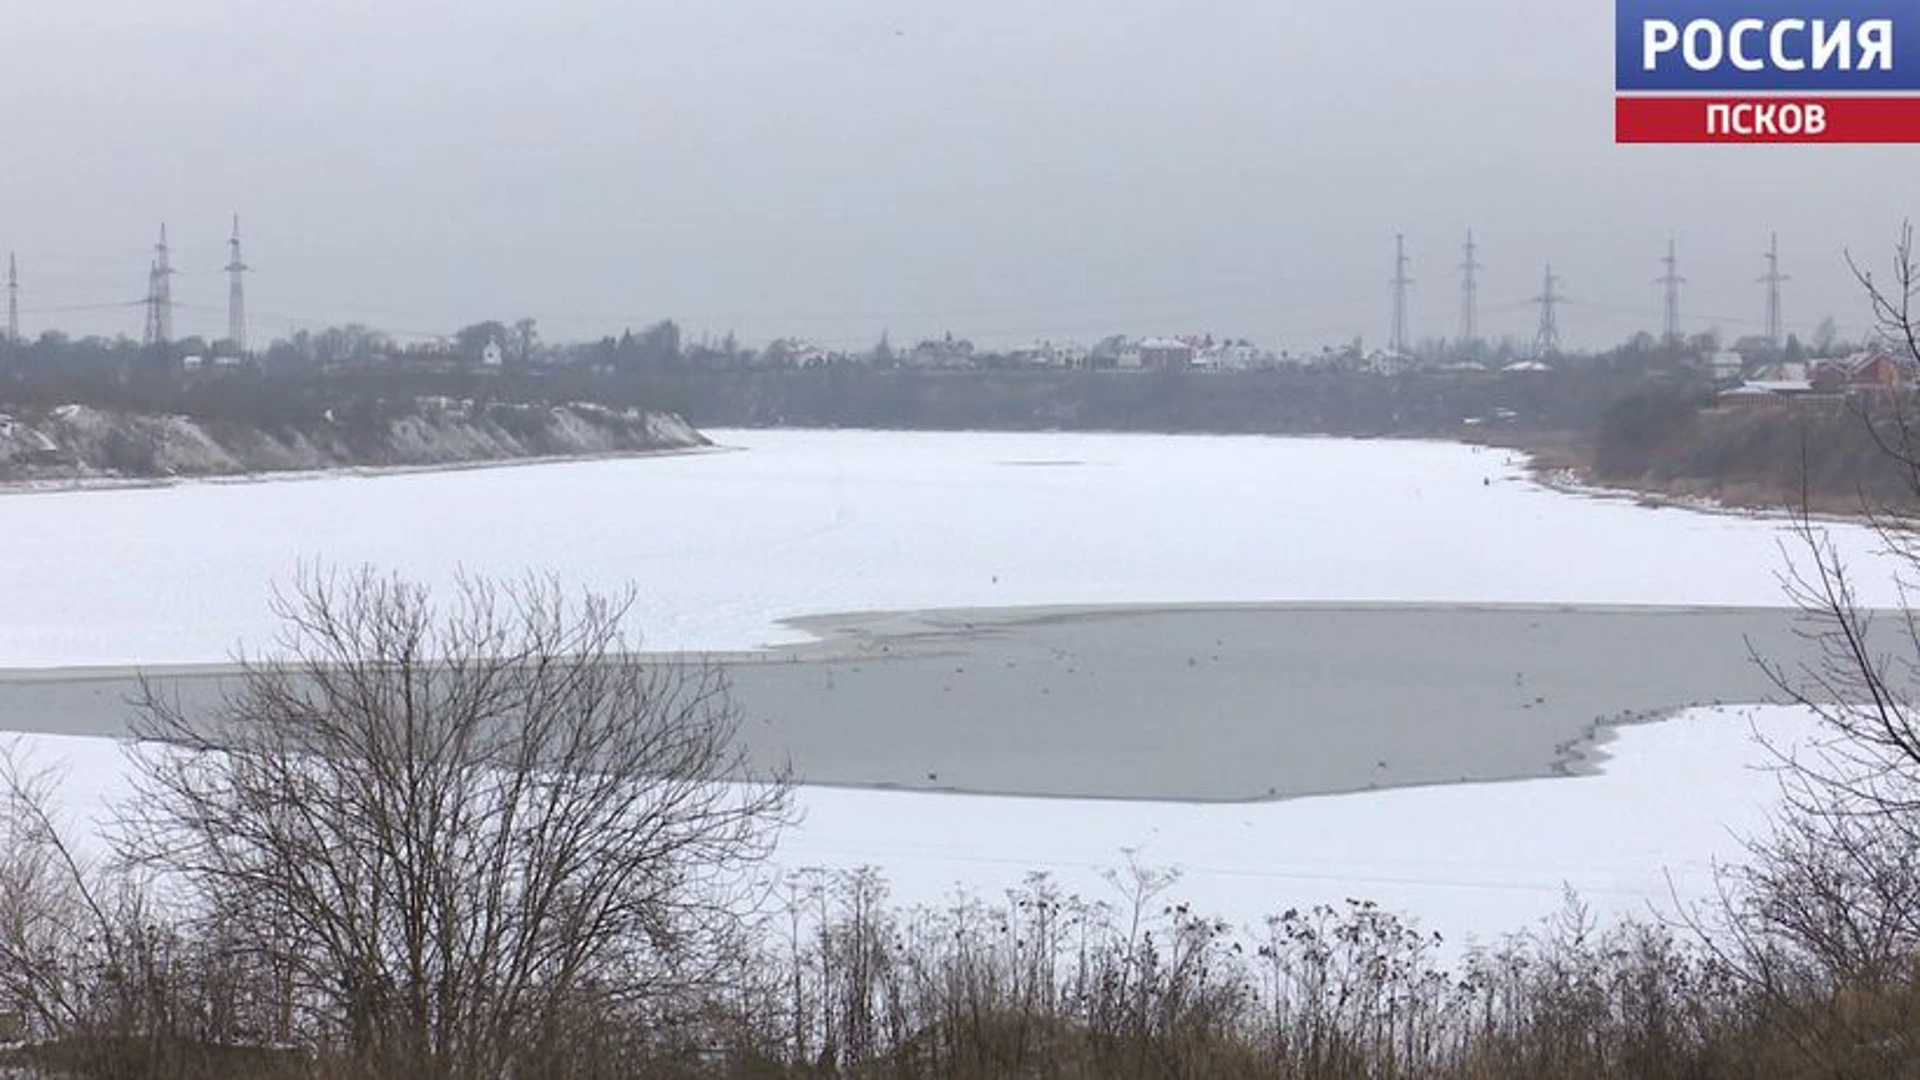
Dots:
{"x": 1726, "y": 364}
{"x": 1226, "y": 354}
{"x": 491, "y": 355}
{"x": 1051, "y": 354}
{"x": 1038, "y": 354}
{"x": 1877, "y": 370}
{"x": 945, "y": 352}
{"x": 1760, "y": 392}
{"x": 1783, "y": 371}
{"x": 792, "y": 353}
{"x": 1747, "y": 395}
{"x": 1245, "y": 355}
{"x": 1388, "y": 362}
{"x": 1166, "y": 354}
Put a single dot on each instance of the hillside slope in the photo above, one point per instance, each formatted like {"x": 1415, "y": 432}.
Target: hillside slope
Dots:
{"x": 79, "y": 442}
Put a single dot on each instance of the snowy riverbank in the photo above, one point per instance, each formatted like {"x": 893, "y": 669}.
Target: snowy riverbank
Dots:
{"x": 83, "y": 446}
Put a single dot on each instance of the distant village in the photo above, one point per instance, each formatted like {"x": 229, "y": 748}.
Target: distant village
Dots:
{"x": 1753, "y": 371}
{"x": 1878, "y": 371}
{"x": 1762, "y": 369}
{"x": 1773, "y": 368}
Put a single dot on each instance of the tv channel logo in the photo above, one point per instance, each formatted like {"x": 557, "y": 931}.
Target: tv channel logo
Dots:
{"x": 1767, "y": 71}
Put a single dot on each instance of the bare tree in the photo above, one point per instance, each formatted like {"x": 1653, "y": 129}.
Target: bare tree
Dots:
{"x": 1840, "y": 876}
{"x": 1889, "y": 415}
{"x": 450, "y": 830}
{"x": 1823, "y": 920}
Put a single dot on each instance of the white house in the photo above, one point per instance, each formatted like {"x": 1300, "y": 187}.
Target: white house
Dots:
{"x": 1168, "y": 354}
{"x": 1239, "y": 355}
{"x": 1388, "y": 362}
{"x": 491, "y": 356}
{"x": 1047, "y": 353}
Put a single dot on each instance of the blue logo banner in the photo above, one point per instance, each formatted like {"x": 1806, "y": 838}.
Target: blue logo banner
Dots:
{"x": 1761, "y": 46}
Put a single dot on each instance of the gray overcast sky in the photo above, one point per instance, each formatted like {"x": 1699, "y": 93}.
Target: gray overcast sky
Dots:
{"x": 1005, "y": 169}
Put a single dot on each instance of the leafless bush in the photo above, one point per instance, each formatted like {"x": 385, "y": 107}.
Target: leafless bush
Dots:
{"x": 444, "y": 835}
{"x": 1044, "y": 984}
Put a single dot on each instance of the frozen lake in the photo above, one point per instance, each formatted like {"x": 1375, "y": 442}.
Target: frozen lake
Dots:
{"x": 724, "y": 547}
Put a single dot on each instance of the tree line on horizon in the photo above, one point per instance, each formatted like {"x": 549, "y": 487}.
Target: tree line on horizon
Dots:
{"x": 664, "y": 347}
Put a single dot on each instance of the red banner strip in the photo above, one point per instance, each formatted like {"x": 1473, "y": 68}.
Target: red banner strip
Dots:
{"x": 1769, "y": 119}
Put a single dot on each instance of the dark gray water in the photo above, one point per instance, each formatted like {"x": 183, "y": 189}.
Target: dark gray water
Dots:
{"x": 1181, "y": 703}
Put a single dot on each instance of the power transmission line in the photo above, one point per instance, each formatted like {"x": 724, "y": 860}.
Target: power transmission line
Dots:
{"x": 160, "y": 295}
{"x": 236, "y": 293}
{"x": 1470, "y": 294}
{"x": 1773, "y": 279}
{"x": 1546, "y": 340}
{"x": 1671, "y": 280}
{"x": 1400, "y": 282}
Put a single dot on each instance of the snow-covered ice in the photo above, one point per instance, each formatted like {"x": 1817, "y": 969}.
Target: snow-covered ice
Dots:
{"x": 724, "y": 546}
{"x": 1470, "y": 861}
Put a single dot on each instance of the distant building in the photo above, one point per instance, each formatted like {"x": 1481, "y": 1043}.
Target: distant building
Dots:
{"x": 1876, "y": 370}
{"x": 1242, "y": 355}
{"x": 792, "y": 353}
{"x": 1783, "y": 371}
{"x": 1768, "y": 392}
{"x": 946, "y": 352}
{"x": 1166, "y": 354}
{"x": 1051, "y": 354}
{"x": 1387, "y": 362}
{"x": 1726, "y": 364}
{"x": 1746, "y": 396}
{"x": 492, "y": 356}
